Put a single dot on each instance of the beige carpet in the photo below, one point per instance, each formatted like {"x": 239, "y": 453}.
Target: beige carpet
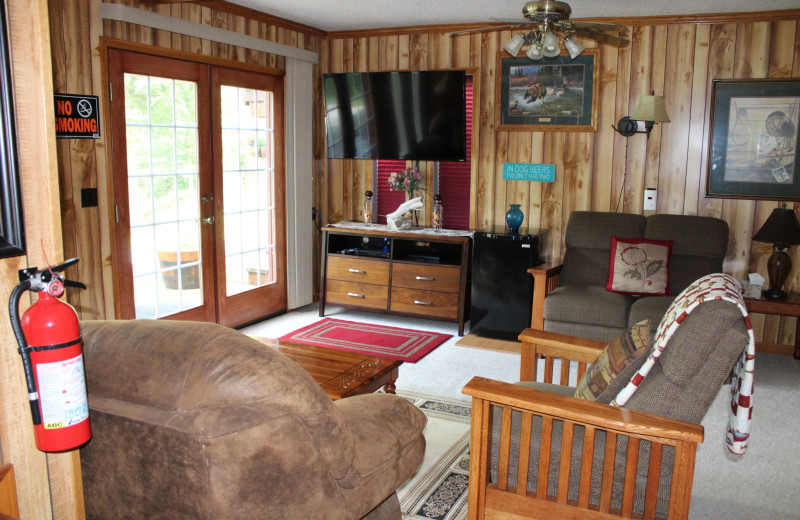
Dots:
{"x": 763, "y": 484}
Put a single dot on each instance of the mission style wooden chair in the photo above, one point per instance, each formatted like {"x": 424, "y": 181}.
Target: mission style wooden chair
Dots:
{"x": 538, "y": 452}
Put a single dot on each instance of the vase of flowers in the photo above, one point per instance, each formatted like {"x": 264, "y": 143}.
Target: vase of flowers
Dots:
{"x": 410, "y": 181}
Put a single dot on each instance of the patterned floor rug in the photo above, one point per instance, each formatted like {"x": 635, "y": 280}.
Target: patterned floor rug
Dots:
{"x": 439, "y": 490}
{"x": 407, "y": 345}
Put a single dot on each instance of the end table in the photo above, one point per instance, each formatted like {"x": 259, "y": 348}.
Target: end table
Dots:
{"x": 788, "y": 307}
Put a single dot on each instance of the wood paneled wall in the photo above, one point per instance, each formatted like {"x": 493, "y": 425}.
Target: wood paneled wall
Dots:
{"x": 600, "y": 170}
{"x": 603, "y": 170}
{"x": 48, "y": 485}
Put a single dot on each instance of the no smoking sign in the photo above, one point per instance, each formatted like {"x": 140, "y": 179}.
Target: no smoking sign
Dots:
{"x": 77, "y": 117}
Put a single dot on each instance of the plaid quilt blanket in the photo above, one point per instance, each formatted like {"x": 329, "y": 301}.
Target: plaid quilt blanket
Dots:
{"x": 711, "y": 287}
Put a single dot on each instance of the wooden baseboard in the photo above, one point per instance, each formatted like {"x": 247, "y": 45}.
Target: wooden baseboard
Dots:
{"x": 772, "y": 348}
{"x": 484, "y": 343}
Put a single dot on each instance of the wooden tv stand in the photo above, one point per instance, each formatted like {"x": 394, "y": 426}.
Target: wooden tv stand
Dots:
{"x": 414, "y": 272}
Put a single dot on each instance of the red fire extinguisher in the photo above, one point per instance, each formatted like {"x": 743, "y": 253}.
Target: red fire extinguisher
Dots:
{"x": 50, "y": 344}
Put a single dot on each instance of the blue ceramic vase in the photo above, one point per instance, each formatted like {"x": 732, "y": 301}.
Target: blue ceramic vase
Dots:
{"x": 514, "y": 217}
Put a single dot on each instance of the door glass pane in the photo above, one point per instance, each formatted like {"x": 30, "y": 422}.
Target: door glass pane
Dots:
{"x": 163, "y": 194}
{"x": 248, "y": 163}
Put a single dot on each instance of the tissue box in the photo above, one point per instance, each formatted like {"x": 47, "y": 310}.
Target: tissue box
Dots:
{"x": 753, "y": 286}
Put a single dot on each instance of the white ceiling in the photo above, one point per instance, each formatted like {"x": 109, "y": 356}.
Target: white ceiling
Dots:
{"x": 346, "y": 15}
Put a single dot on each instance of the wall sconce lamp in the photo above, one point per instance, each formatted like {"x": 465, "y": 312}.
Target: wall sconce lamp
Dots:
{"x": 651, "y": 109}
{"x": 781, "y": 230}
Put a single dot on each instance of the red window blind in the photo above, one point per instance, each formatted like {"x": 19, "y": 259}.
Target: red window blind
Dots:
{"x": 388, "y": 200}
{"x": 454, "y": 179}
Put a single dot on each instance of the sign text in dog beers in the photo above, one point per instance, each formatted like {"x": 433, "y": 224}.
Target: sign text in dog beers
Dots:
{"x": 529, "y": 172}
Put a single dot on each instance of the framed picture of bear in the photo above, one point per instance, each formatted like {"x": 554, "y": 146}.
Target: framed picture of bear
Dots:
{"x": 551, "y": 94}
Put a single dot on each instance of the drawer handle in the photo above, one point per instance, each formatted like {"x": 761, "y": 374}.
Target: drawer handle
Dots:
{"x": 420, "y": 302}
{"x": 357, "y": 271}
{"x": 426, "y": 278}
{"x": 355, "y": 295}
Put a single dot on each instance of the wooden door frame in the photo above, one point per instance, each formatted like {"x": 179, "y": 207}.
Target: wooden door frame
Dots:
{"x": 107, "y": 44}
{"x": 180, "y": 70}
{"x": 236, "y": 305}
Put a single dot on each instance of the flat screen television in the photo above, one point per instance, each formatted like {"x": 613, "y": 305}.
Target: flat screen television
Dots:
{"x": 412, "y": 115}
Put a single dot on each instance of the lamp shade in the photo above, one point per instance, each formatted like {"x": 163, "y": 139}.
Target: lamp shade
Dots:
{"x": 651, "y": 108}
{"x": 550, "y": 46}
{"x": 534, "y": 53}
{"x": 513, "y": 45}
{"x": 573, "y": 47}
{"x": 781, "y": 227}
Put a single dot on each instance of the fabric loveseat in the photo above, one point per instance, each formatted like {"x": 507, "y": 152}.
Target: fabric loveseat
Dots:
{"x": 196, "y": 420}
{"x": 572, "y": 299}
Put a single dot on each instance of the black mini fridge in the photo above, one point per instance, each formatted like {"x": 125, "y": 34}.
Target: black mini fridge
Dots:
{"x": 502, "y": 289}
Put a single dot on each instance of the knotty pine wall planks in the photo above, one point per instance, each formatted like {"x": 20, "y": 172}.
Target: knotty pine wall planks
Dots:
{"x": 600, "y": 171}
{"x": 603, "y": 170}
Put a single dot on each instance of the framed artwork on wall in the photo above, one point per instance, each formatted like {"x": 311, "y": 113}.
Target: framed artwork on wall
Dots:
{"x": 752, "y": 151}
{"x": 12, "y": 236}
{"x": 551, "y": 94}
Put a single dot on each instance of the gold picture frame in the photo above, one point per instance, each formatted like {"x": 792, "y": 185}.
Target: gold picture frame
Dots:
{"x": 550, "y": 95}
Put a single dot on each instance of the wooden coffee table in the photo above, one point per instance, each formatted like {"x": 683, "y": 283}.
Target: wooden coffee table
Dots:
{"x": 340, "y": 374}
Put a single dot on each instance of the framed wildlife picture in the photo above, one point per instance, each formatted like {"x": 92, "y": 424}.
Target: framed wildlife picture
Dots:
{"x": 752, "y": 152}
{"x": 551, "y": 94}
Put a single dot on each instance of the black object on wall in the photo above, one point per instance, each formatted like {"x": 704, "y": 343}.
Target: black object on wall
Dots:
{"x": 409, "y": 115}
{"x": 502, "y": 289}
{"x": 12, "y": 229}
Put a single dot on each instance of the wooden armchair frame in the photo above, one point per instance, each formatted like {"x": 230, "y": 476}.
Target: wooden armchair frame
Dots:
{"x": 545, "y": 279}
{"x": 489, "y": 500}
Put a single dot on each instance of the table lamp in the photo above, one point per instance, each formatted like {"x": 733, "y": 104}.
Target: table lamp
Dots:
{"x": 781, "y": 230}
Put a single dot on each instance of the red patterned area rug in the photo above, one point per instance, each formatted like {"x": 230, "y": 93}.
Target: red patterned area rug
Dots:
{"x": 405, "y": 345}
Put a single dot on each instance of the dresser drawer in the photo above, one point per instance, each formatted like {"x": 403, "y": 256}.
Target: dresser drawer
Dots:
{"x": 426, "y": 277}
{"x": 360, "y": 270}
{"x": 359, "y": 294}
{"x": 428, "y": 303}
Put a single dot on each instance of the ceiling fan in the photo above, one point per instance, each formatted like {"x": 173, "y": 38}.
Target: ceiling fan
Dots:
{"x": 545, "y": 17}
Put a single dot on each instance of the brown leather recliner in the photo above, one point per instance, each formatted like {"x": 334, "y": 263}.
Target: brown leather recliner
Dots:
{"x": 196, "y": 420}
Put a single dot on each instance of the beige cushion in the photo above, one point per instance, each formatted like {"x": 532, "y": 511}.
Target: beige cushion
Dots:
{"x": 617, "y": 355}
{"x": 639, "y": 266}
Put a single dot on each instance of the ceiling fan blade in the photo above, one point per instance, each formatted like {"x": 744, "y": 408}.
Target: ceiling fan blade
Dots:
{"x": 597, "y": 26}
{"x": 492, "y": 28}
{"x": 506, "y": 20}
{"x": 602, "y": 37}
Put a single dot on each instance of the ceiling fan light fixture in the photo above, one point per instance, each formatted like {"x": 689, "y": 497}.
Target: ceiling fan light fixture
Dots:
{"x": 547, "y": 22}
{"x": 534, "y": 53}
{"x": 550, "y": 46}
{"x": 574, "y": 48}
{"x": 514, "y": 45}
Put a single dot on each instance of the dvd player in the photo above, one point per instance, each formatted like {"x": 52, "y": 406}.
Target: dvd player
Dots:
{"x": 375, "y": 253}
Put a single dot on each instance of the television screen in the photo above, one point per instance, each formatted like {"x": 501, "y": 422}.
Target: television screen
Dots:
{"x": 413, "y": 115}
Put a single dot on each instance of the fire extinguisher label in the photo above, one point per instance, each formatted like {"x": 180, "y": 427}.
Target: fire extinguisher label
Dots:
{"x": 62, "y": 393}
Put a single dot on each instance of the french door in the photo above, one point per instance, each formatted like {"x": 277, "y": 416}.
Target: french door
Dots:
{"x": 198, "y": 190}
